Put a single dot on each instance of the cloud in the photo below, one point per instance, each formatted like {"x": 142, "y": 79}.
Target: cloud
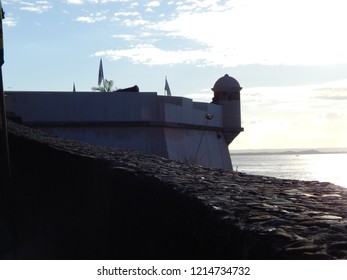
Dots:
{"x": 303, "y": 100}
{"x": 80, "y": 2}
{"x": 135, "y": 22}
{"x": 151, "y": 55}
{"x": 153, "y": 4}
{"x": 75, "y": 1}
{"x": 92, "y": 18}
{"x": 332, "y": 116}
{"x": 126, "y": 37}
{"x": 36, "y": 6}
{"x": 291, "y": 117}
{"x": 333, "y": 97}
{"x": 271, "y": 32}
{"x": 228, "y": 33}
{"x": 126, "y": 14}
{"x": 198, "y": 5}
{"x": 332, "y": 93}
{"x": 10, "y": 21}
{"x": 134, "y": 4}
{"x": 254, "y": 33}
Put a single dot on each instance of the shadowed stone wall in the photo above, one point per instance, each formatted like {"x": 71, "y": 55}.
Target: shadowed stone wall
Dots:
{"x": 70, "y": 200}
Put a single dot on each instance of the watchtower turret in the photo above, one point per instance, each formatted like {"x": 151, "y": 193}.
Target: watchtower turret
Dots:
{"x": 227, "y": 94}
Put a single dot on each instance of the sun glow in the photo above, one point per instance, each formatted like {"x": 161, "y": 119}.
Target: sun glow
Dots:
{"x": 328, "y": 166}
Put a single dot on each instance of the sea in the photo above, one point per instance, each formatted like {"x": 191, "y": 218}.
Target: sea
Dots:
{"x": 323, "y": 167}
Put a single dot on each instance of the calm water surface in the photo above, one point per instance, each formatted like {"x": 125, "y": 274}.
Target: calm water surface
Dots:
{"x": 314, "y": 167}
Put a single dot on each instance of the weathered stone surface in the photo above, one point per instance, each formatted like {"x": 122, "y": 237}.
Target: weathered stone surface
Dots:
{"x": 213, "y": 213}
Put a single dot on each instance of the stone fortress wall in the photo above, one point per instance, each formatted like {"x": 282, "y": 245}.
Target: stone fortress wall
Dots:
{"x": 168, "y": 126}
{"x": 72, "y": 200}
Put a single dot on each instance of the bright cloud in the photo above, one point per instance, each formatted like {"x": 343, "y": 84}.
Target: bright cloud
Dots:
{"x": 126, "y": 14}
{"x": 234, "y": 32}
{"x": 153, "y": 4}
{"x": 267, "y": 32}
{"x": 92, "y": 18}
{"x": 36, "y": 6}
{"x": 135, "y": 22}
{"x": 333, "y": 91}
{"x": 79, "y": 2}
{"x": 149, "y": 54}
{"x": 126, "y": 37}
{"x": 292, "y": 117}
{"x": 9, "y": 21}
{"x": 198, "y": 5}
{"x": 75, "y": 1}
{"x": 257, "y": 32}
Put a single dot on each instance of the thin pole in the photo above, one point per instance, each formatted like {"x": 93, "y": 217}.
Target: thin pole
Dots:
{"x": 2, "y": 102}
{"x": 202, "y": 136}
{"x": 4, "y": 129}
{"x": 9, "y": 197}
{"x": 208, "y": 118}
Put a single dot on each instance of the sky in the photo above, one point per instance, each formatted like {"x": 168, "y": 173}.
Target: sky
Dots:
{"x": 290, "y": 57}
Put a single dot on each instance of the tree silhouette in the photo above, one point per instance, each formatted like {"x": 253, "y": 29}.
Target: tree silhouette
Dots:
{"x": 106, "y": 87}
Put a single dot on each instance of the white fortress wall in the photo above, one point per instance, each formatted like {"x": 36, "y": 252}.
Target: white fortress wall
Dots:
{"x": 118, "y": 106}
{"x": 183, "y": 145}
{"x": 188, "y": 112}
{"x": 88, "y": 117}
{"x": 171, "y": 127}
{"x": 133, "y": 138}
{"x": 82, "y": 106}
{"x": 196, "y": 145}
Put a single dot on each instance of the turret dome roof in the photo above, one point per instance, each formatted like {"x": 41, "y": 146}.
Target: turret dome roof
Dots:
{"x": 226, "y": 83}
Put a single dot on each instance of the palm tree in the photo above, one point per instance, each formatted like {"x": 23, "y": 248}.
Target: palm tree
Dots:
{"x": 106, "y": 87}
